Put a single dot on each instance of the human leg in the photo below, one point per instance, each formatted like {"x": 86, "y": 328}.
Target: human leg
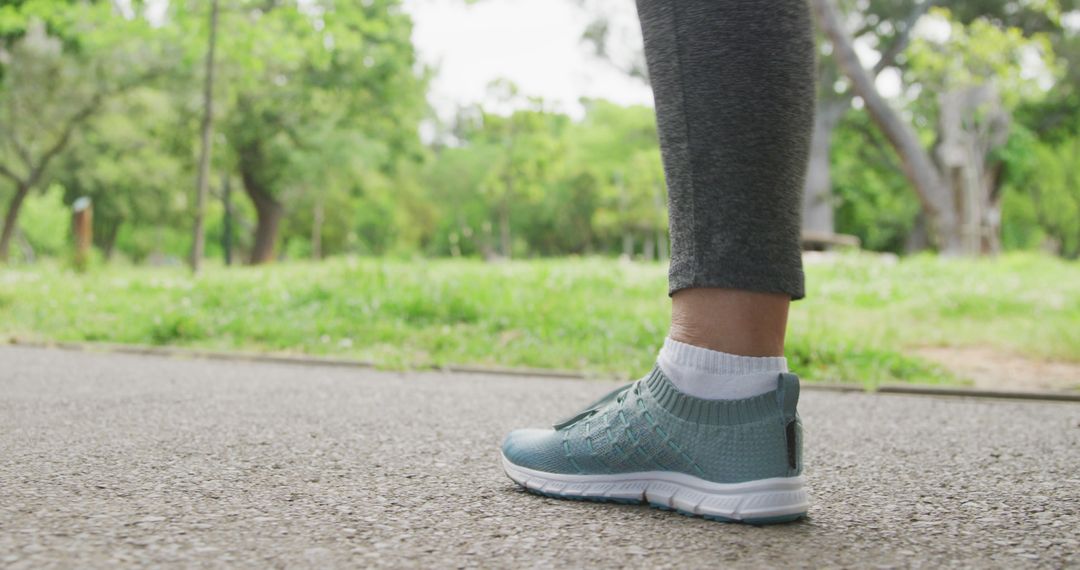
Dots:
{"x": 713, "y": 429}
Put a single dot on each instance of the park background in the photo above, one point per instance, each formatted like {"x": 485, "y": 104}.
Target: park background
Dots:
{"x": 340, "y": 184}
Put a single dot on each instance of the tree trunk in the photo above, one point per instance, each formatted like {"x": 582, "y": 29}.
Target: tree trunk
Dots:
{"x": 995, "y": 178}
{"x": 108, "y": 240}
{"x": 268, "y": 211}
{"x": 10, "y": 219}
{"x": 202, "y": 185}
{"x": 268, "y": 214}
{"x": 647, "y": 249}
{"x": 817, "y": 191}
{"x": 505, "y": 238}
{"x": 918, "y": 238}
{"x": 227, "y": 223}
{"x": 28, "y": 253}
{"x": 316, "y": 228}
{"x": 972, "y": 125}
{"x": 991, "y": 242}
{"x": 487, "y": 250}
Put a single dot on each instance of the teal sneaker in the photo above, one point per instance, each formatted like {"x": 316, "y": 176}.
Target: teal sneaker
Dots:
{"x": 728, "y": 460}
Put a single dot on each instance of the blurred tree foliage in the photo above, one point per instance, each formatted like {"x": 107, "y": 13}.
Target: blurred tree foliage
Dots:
{"x": 320, "y": 106}
{"x": 316, "y": 92}
{"x": 128, "y": 162}
{"x": 562, "y": 187}
{"x": 61, "y": 63}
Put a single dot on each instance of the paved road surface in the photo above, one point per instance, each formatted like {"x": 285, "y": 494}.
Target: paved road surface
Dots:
{"x": 133, "y": 459}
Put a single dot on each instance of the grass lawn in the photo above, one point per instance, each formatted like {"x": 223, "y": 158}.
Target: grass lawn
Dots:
{"x": 862, "y": 316}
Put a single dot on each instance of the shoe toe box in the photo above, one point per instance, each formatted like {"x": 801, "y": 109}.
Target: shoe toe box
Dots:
{"x": 537, "y": 449}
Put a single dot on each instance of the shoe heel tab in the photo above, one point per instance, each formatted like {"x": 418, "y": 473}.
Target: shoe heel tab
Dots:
{"x": 787, "y": 394}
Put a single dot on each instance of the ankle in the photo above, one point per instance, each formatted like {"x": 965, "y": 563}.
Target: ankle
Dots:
{"x": 746, "y": 323}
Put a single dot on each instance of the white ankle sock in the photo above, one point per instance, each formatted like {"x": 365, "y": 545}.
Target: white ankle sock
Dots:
{"x": 715, "y": 375}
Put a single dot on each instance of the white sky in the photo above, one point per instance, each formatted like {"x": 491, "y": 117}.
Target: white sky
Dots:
{"x": 534, "y": 43}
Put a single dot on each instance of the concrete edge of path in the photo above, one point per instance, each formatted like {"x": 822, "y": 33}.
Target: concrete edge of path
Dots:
{"x": 309, "y": 360}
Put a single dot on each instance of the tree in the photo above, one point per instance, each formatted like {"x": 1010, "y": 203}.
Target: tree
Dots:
{"x": 298, "y": 69}
{"x": 536, "y": 182}
{"x": 618, "y": 147}
{"x": 457, "y": 170}
{"x": 1056, "y": 194}
{"x": 887, "y": 25}
{"x": 36, "y": 62}
{"x": 527, "y": 149}
{"x": 334, "y": 174}
{"x": 873, "y": 200}
{"x": 957, "y": 182}
{"x": 1042, "y": 195}
{"x": 126, "y": 160}
{"x": 52, "y": 85}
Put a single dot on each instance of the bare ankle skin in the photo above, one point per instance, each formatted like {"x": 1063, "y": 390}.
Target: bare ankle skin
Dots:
{"x": 747, "y": 323}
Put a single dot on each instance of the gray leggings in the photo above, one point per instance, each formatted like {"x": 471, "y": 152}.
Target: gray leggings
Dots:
{"x": 734, "y": 87}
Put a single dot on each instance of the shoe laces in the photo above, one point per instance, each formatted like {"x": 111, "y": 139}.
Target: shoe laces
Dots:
{"x": 617, "y": 395}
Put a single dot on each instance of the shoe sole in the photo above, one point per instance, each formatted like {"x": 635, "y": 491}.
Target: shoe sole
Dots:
{"x": 760, "y": 502}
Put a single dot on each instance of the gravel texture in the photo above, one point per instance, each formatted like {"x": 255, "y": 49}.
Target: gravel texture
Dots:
{"x": 119, "y": 459}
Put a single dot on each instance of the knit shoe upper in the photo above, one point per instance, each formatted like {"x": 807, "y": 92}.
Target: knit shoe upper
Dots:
{"x": 650, "y": 426}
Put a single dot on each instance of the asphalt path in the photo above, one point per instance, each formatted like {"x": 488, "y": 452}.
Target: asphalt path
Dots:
{"x": 111, "y": 459}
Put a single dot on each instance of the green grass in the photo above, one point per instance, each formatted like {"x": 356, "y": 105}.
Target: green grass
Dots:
{"x": 861, "y": 315}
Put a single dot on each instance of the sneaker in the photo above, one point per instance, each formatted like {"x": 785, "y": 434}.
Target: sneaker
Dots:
{"x": 728, "y": 460}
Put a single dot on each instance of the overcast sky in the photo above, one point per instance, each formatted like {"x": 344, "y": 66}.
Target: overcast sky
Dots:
{"x": 534, "y": 43}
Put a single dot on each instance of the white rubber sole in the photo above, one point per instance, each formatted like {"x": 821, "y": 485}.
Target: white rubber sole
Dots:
{"x": 763, "y": 501}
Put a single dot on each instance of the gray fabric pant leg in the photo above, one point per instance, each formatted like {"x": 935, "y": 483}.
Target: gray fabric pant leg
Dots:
{"x": 734, "y": 88}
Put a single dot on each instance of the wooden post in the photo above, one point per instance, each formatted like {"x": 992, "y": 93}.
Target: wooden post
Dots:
{"x": 82, "y": 225}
